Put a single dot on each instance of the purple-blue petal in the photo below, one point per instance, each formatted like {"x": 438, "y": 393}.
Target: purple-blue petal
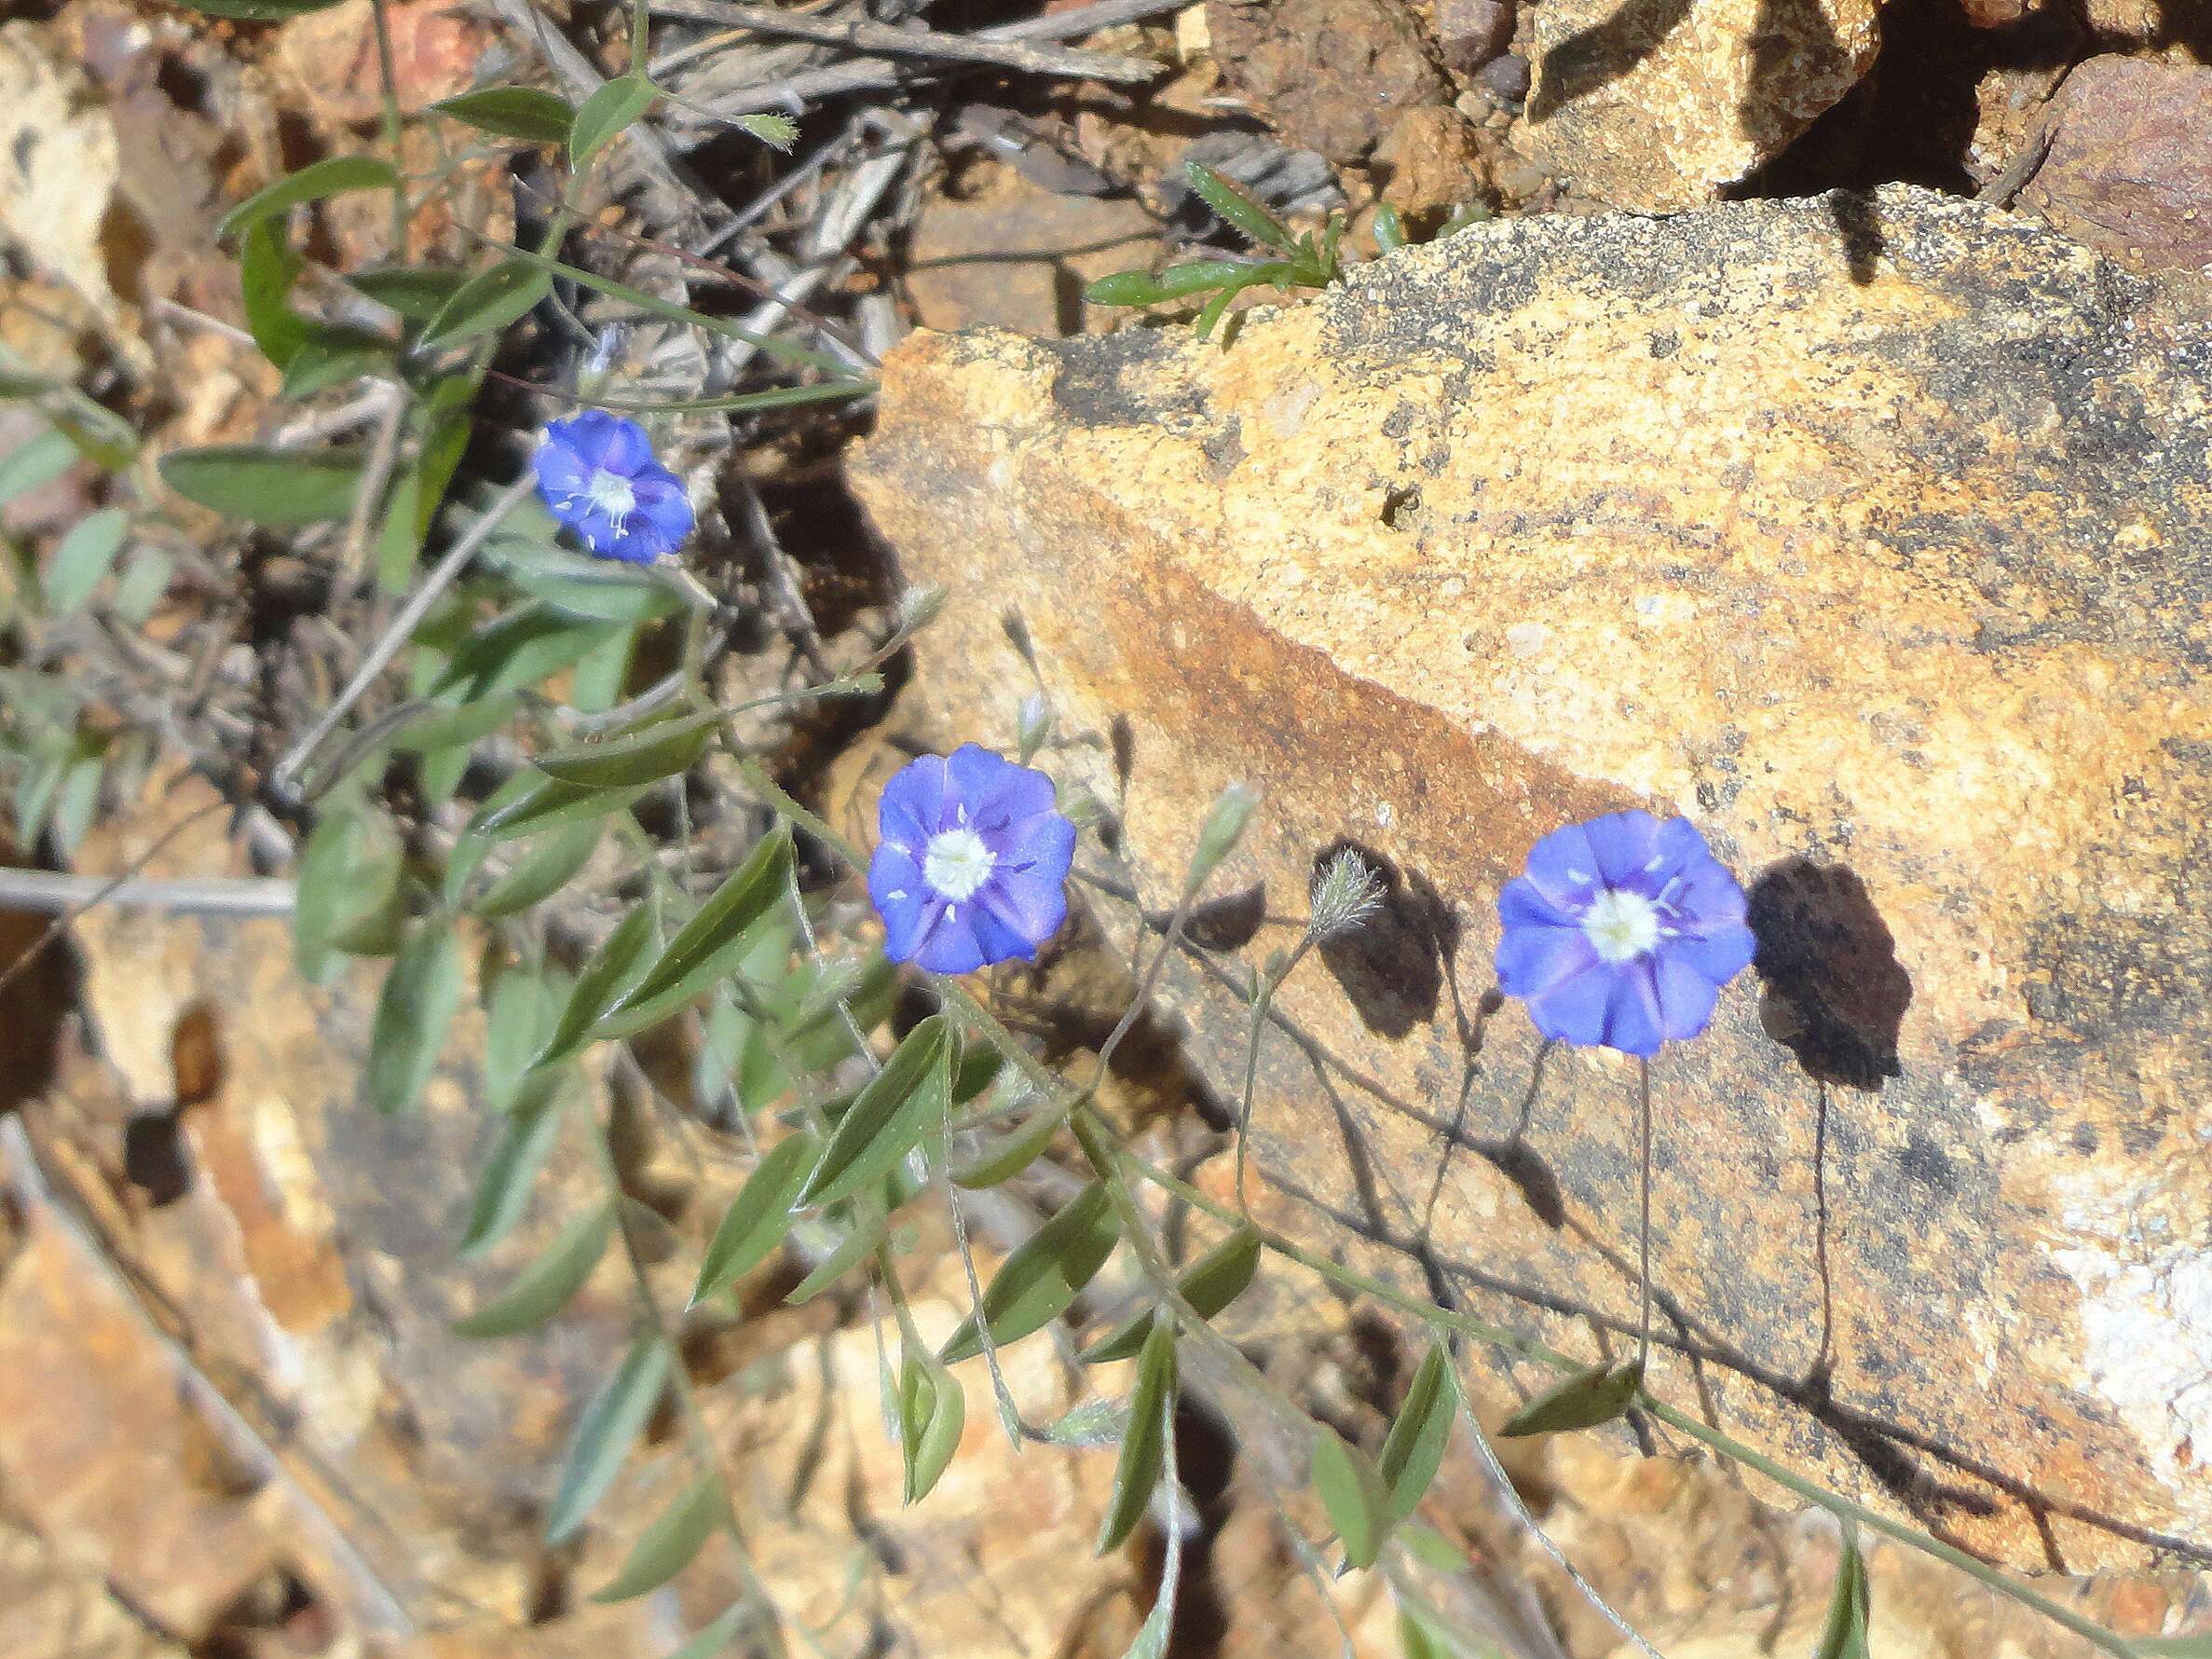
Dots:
{"x": 1043, "y": 845}
{"x": 1632, "y": 1024}
{"x": 1532, "y": 960}
{"x": 1563, "y": 868}
{"x": 995, "y": 937}
{"x": 913, "y": 805}
{"x": 1573, "y": 1009}
{"x": 1624, "y": 844}
{"x": 895, "y": 887}
{"x": 1031, "y": 904}
{"x": 1524, "y": 904}
{"x": 1719, "y": 956}
{"x": 562, "y": 478}
{"x": 949, "y": 944}
{"x": 1686, "y": 997}
{"x": 662, "y": 501}
{"x": 603, "y": 442}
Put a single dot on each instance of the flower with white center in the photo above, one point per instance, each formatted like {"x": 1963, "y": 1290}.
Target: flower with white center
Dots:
{"x": 597, "y": 474}
{"x": 1622, "y": 933}
{"x": 973, "y": 865}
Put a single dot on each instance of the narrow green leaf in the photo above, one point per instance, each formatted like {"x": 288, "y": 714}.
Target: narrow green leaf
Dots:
{"x": 778, "y": 132}
{"x": 716, "y": 1636}
{"x": 931, "y": 1412}
{"x": 545, "y": 1287}
{"x": 1038, "y": 1282}
{"x": 329, "y": 355}
{"x": 420, "y": 996}
{"x": 311, "y": 182}
{"x": 519, "y": 1014}
{"x": 710, "y": 943}
{"x": 512, "y": 112}
{"x": 503, "y": 1189}
{"x": 640, "y": 756}
{"x": 1389, "y": 229}
{"x": 542, "y": 871}
{"x": 606, "y": 113}
{"x": 349, "y": 882}
{"x": 29, "y": 465}
{"x": 1208, "y": 1285}
{"x": 86, "y": 555}
{"x": 1237, "y": 208}
{"x": 900, "y": 1105}
{"x": 76, "y": 801}
{"x": 1009, "y": 1154}
{"x": 144, "y": 584}
{"x": 416, "y": 291}
{"x": 758, "y": 1217}
{"x": 446, "y": 725}
{"x": 617, "y": 965}
{"x": 1178, "y": 281}
{"x": 1352, "y": 1494}
{"x": 605, "y": 1433}
{"x": 666, "y": 1547}
{"x": 855, "y": 1248}
{"x": 1144, "y": 1444}
{"x": 1414, "y": 1447}
{"x": 521, "y": 648}
{"x": 277, "y": 487}
{"x": 1089, "y": 1426}
{"x": 490, "y": 300}
{"x": 1843, "y": 1632}
{"x": 260, "y": 11}
{"x": 549, "y": 804}
{"x": 602, "y": 675}
{"x": 579, "y": 585}
{"x": 1594, "y": 1394}
{"x": 267, "y": 268}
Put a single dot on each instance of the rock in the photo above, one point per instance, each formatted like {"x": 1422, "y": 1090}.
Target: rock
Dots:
{"x": 326, "y": 60}
{"x": 1871, "y": 533}
{"x": 1656, "y": 104}
{"x": 1431, "y": 164}
{"x": 1470, "y": 32}
{"x": 1019, "y": 256}
{"x": 1506, "y": 77}
{"x": 2129, "y": 168}
{"x": 1331, "y": 74}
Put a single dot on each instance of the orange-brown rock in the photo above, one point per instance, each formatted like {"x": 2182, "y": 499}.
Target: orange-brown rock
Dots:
{"x": 1872, "y": 534}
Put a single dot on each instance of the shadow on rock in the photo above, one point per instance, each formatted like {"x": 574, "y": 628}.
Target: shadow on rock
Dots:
{"x": 1834, "y": 994}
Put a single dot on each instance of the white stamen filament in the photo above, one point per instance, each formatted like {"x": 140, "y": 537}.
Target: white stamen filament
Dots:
{"x": 612, "y": 493}
{"x": 956, "y": 863}
{"x": 1620, "y": 925}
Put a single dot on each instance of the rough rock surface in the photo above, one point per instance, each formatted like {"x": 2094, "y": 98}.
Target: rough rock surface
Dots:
{"x": 2130, "y": 165}
{"x": 1871, "y": 532}
{"x": 1655, "y": 105}
{"x": 1334, "y": 75}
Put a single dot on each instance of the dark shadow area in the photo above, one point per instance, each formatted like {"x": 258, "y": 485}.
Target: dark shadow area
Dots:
{"x": 1228, "y": 923}
{"x": 1392, "y": 966}
{"x": 1834, "y": 994}
{"x": 155, "y": 1159}
{"x": 1205, "y": 1462}
{"x": 1600, "y": 55}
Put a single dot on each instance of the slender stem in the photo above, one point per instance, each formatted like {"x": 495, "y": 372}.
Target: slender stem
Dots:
{"x": 388, "y": 97}
{"x": 47, "y": 893}
{"x": 1643, "y": 1195}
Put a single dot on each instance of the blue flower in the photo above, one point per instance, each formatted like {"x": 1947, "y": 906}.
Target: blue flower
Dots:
{"x": 973, "y": 864}
{"x": 597, "y": 473}
{"x": 1622, "y": 933}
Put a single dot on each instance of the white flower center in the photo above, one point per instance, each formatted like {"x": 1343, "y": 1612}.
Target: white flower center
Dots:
{"x": 610, "y": 492}
{"x": 956, "y": 862}
{"x": 1621, "y": 926}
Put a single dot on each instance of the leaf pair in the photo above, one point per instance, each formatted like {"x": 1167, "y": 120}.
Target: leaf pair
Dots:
{"x": 1365, "y": 1499}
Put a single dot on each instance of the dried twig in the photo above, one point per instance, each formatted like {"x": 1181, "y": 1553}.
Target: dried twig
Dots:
{"x": 915, "y": 43}
{"x": 47, "y": 893}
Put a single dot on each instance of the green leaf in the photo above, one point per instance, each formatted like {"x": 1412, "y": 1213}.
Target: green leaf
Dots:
{"x": 523, "y": 1006}
{"x": 1178, "y": 281}
{"x": 446, "y": 725}
{"x": 1414, "y": 1447}
{"x": 758, "y": 1217}
{"x": 642, "y": 755}
{"x": 1009, "y": 1154}
{"x": 1208, "y": 1285}
{"x": 548, "y": 804}
{"x": 619, "y": 965}
{"x": 1237, "y": 208}
{"x": 86, "y": 555}
{"x": 605, "y": 1433}
{"x": 1352, "y": 1494}
{"x": 708, "y": 945}
{"x": 416, "y": 291}
{"x": 311, "y": 182}
{"x": 349, "y": 880}
{"x": 487, "y": 302}
{"x": 899, "y": 1105}
{"x": 267, "y": 268}
{"x": 578, "y": 585}
{"x": 260, "y": 11}
{"x": 40, "y": 461}
{"x": 1144, "y": 1443}
{"x": 76, "y": 801}
{"x": 855, "y": 1248}
{"x": 524, "y": 646}
{"x": 666, "y": 1547}
{"x": 1843, "y": 1632}
{"x": 542, "y": 871}
{"x": 1037, "y": 1282}
{"x": 716, "y": 1636}
{"x": 143, "y": 583}
{"x": 414, "y": 1011}
{"x": 512, "y": 112}
{"x": 279, "y": 487}
{"x": 1594, "y": 1394}
{"x": 329, "y": 355}
{"x": 545, "y": 1287}
{"x": 1088, "y": 1427}
{"x": 931, "y": 1412}
{"x": 775, "y": 130}
{"x": 602, "y": 676}
{"x": 1389, "y": 229}
{"x": 503, "y": 1189}
{"x": 606, "y": 113}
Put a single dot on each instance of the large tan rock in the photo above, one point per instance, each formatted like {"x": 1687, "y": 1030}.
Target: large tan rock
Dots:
{"x": 1655, "y": 105}
{"x": 1873, "y": 535}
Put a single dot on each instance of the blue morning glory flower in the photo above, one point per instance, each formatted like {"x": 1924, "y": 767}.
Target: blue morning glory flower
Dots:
{"x": 973, "y": 864}
{"x": 1622, "y": 933}
{"x": 597, "y": 473}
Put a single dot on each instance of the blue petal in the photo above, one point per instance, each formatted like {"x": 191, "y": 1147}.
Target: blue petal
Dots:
{"x": 975, "y": 778}
{"x": 1686, "y": 997}
{"x": 1624, "y": 845}
{"x": 950, "y": 945}
{"x": 662, "y": 503}
{"x": 1014, "y": 794}
{"x": 1573, "y": 1009}
{"x": 1563, "y": 868}
{"x": 1532, "y": 960}
{"x": 595, "y": 528}
{"x": 1030, "y": 905}
{"x": 561, "y": 479}
{"x": 1043, "y": 845}
{"x": 1719, "y": 956}
{"x": 913, "y": 804}
{"x": 635, "y": 543}
{"x": 894, "y": 887}
{"x": 1632, "y": 1024}
{"x": 1524, "y": 904}
{"x": 603, "y": 442}
{"x": 997, "y": 940}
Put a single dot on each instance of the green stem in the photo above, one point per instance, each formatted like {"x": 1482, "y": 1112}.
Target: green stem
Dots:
{"x": 393, "y": 123}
